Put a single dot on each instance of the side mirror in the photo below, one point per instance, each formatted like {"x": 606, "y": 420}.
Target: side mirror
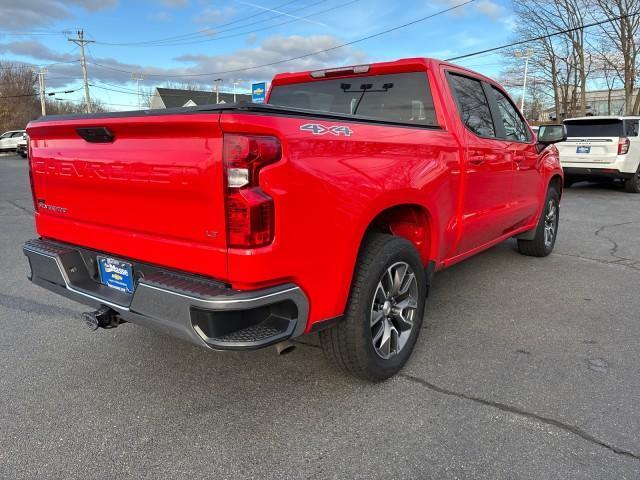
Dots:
{"x": 549, "y": 134}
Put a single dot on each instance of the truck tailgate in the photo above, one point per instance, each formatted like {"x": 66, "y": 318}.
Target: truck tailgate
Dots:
{"x": 153, "y": 193}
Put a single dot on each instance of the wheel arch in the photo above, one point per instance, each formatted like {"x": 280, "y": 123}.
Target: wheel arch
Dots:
{"x": 556, "y": 181}
{"x": 411, "y": 221}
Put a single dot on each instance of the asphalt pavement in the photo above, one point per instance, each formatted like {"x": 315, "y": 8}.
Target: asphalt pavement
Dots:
{"x": 525, "y": 368}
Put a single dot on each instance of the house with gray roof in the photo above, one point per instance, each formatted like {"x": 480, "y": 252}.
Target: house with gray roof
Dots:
{"x": 173, "y": 97}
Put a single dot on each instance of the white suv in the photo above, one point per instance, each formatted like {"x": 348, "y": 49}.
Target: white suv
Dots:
{"x": 602, "y": 147}
{"x": 9, "y": 140}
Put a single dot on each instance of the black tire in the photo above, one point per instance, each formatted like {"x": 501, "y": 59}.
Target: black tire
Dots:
{"x": 632, "y": 185}
{"x": 540, "y": 246}
{"x": 349, "y": 345}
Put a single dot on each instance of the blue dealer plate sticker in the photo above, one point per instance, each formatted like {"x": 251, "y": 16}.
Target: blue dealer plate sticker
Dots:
{"x": 583, "y": 149}
{"x": 116, "y": 274}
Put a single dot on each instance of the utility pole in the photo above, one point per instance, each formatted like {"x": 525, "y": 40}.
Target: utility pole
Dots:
{"x": 527, "y": 54}
{"x": 137, "y": 77}
{"x": 41, "y": 73}
{"x": 81, "y": 42}
{"x": 217, "y": 82}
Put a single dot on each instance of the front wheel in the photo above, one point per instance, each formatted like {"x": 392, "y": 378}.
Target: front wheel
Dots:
{"x": 547, "y": 229}
{"x": 384, "y": 313}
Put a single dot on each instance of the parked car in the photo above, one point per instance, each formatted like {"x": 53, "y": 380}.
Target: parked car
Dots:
{"x": 9, "y": 140}
{"x": 328, "y": 209}
{"x": 23, "y": 146}
{"x": 602, "y": 147}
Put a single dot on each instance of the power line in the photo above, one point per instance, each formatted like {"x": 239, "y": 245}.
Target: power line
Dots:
{"x": 198, "y": 32}
{"x": 98, "y": 103}
{"x": 38, "y": 94}
{"x": 217, "y": 37}
{"x": 306, "y": 55}
{"x": 541, "y": 37}
{"x": 132, "y": 92}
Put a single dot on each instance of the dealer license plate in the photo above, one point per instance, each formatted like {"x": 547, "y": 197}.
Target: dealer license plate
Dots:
{"x": 116, "y": 274}
{"x": 583, "y": 149}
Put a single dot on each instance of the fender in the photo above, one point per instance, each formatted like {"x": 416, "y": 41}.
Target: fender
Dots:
{"x": 552, "y": 169}
{"x": 386, "y": 201}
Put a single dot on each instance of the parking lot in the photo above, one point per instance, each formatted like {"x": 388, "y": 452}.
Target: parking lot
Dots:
{"x": 525, "y": 368}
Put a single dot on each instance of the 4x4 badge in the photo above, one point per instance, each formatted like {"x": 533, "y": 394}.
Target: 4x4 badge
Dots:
{"x": 318, "y": 129}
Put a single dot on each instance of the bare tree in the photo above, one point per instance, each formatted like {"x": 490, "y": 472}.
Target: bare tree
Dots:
{"x": 561, "y": 63}
{"x": 621, "y": 35}
{"x": 18, "y": 96}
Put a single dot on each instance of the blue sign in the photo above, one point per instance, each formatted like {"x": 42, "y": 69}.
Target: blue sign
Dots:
{"x": 258, "y": 92}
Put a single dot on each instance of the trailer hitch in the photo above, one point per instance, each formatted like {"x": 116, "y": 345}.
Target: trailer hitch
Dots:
{"x": 104, "y": 317}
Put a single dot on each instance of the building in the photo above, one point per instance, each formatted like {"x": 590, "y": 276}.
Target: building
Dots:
{"x": 603, "y": 102}
{"x": 599, "y": 103}
{"x": 173, "y": 97}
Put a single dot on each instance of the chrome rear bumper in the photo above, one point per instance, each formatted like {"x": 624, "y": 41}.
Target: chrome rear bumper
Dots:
{"x": 202, "y": 311}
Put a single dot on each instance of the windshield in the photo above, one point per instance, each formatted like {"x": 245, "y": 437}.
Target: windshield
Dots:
{"x": 594, "y": 128}
{"x": 403, "y": 97}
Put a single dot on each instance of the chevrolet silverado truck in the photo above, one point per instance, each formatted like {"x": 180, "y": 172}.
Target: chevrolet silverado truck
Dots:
{"x": 328, "y": 209}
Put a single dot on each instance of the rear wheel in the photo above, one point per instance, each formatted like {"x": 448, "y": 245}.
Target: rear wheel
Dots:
{"x": 632, "y": 185}
{"x": 384, "y": 313}
{"x": 547, "y": 229}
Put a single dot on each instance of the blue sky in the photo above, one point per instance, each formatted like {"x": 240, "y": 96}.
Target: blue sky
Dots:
{"x": 195, "y": 41}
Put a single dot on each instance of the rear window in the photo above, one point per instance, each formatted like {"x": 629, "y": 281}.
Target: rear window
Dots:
{"x": 594, "y": 128}
{"x": 402, "y": 97}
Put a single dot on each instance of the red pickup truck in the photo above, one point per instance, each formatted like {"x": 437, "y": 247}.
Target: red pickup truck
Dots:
{"x": 328, "y": 209}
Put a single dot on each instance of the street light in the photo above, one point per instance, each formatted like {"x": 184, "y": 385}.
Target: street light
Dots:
{"x": 138, "y": 78}
{"x": 235, "y": 84}
{"x": 217, "y": 82}
{"x": 527, "y": 54}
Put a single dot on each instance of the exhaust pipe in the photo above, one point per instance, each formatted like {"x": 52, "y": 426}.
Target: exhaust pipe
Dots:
{"x": 104, "y": 317}
{"x": 285, "y": 347}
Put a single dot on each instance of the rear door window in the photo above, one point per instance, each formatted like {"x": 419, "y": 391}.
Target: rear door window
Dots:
{"x": 515, "y": 127}
{"x": 402, "y": 97}
{"x": 594, "y": 128}
{"x": 473, "y": 105}
{"x": 631, "y": 128}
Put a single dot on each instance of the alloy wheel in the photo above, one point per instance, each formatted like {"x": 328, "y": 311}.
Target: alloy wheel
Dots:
{"x": 550, "y": 222}
{"x": 394, "y": 305}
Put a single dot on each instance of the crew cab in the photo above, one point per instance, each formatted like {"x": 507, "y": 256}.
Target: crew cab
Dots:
{"x": 605, "y": 147}
{"x": 327, "y": 210}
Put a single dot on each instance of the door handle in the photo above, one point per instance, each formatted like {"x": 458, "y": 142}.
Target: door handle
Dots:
{"x": 476, "y": 160}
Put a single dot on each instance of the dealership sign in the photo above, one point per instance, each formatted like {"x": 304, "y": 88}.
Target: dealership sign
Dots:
{"x": 258, "y": 92}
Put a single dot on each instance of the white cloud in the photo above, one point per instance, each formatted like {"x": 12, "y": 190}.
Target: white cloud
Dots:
{"x": 159, "y": 16}
{"x": 487, "y": 8}
{"x": 490, "y": 9}
{"x": 273, "y": 49}
{"x": 18, "y": 14}
{"x": 35, "y": 50}
{"x": 213, "y": 15}
{"x": 175, "y": 3}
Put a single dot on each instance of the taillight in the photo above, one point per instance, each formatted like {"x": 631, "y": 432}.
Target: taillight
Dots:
{"x": 623, "y": 146}
{"x": 249, "y": 210}
{"x": 33, "y": 188}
